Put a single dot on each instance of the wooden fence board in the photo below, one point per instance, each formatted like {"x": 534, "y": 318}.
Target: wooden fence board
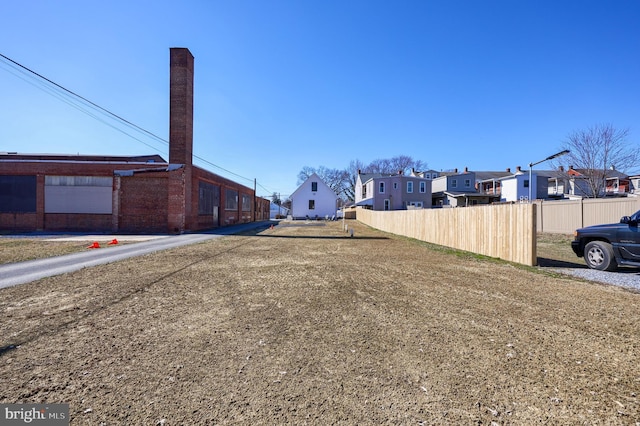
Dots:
{"x": 504, "y": 231}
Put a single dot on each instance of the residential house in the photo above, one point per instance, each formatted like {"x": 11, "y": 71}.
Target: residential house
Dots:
{"x": 490, "y": 183}
{"x": 511, "y": 187}
{"x": 615, "y": 183}
{"x": 453, "y": 189}
{"x": 522, "y": 186}
{"x": 393, "y": 192}
{"x": 555, "y": 184}
{"x": 634, "y": 184}
{"x": 313, "y": 199}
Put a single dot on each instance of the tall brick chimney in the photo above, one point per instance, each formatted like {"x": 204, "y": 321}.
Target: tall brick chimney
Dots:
{"x": 181, "y": 106}
{"x": 180, "y": 139}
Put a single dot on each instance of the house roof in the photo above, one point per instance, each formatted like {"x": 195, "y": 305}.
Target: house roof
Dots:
{"x": 366, "y": 177}
{"x": 316, "y": 177}
{"x": 15, "y": 156}
{"x": 457, "y": 194}
{"x": 488, "y": 175}
{"x": 608, "y": 173}
{"x": 365, "y": 202}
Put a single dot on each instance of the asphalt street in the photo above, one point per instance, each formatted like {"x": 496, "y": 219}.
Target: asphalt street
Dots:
{"x": 24, "y": 272}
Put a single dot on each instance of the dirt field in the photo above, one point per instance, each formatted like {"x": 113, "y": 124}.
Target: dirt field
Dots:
{"x": 304, "y": 325}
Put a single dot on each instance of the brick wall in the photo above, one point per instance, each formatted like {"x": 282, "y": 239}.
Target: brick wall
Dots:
{"x": 77, "y": 222}
{"x": 39, "y": 221}
{"x": 18, "y": 221}
{"x": 142, "y": 203}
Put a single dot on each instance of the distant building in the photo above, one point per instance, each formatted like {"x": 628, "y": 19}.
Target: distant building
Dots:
{"x": 126, "y": 193}
{"x": 313, "y": 199}
{"x": 393, "y": 192}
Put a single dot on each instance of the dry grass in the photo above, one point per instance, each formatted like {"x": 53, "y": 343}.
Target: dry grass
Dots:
{"x": 18, "y": 249}
{"x": 21, "y": 249}
{"x": 306, "y": 325}
{"x": 556, "y": 247}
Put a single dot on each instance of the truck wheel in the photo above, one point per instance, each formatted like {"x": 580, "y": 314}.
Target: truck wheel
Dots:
{"x": 599, "y": 255}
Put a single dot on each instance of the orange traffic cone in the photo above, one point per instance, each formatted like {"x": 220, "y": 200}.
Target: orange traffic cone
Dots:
{"x": 114, "y": 241}
{"x": 94, "y": 245}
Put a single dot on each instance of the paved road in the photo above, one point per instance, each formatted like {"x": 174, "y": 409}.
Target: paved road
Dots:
{"x": 24, "y": 272}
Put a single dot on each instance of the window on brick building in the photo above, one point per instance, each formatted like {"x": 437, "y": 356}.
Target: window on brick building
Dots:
{"x": 230, "y": 199}
{"x": 208, "y": 198}
{"x": 246, "y": 203}
{"x": 17, "y": 194}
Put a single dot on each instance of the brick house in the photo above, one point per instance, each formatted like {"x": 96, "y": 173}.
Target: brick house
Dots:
{"x": 127, "y": 193}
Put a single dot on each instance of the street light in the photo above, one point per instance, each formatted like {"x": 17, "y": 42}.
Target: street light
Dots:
{"x": 551, "y": 157}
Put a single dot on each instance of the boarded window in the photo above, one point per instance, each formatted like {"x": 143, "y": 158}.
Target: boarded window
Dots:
{"x": 231, "y": 199}
{"x": 246, "y": 203}
{"x": 17, "y": 194}
{"x": 78, "y": 194}
{"x": 208, "y": 198}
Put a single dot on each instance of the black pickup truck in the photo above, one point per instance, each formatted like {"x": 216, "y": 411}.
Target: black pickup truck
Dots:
{"x": 605, "y": 247}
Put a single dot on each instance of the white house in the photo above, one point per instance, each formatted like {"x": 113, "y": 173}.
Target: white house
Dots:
{"x": 313, "y": 199}
{"x": 516, "y": 187}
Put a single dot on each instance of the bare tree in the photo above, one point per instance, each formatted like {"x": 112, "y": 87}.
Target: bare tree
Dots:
{"x": 336, "y": 179}
{"x": 595, "y": 153}
{"x": 305, "y": 173}
{"x": 352, "y": 175}
{"x": 391, "y": 166}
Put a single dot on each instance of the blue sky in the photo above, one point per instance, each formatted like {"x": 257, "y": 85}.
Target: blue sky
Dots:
{"x": 284, "y": 84}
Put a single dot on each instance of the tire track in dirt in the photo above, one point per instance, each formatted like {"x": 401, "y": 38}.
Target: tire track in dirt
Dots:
{"x": 87, "y": 312}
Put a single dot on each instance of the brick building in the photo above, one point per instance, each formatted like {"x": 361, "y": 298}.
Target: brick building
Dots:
{"x": 127, "y": 193}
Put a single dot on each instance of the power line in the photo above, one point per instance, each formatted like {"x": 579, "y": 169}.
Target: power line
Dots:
{"x": 74, "y": 96}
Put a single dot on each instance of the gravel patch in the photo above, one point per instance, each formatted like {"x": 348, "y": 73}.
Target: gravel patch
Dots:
{"x": 624, "y": 277}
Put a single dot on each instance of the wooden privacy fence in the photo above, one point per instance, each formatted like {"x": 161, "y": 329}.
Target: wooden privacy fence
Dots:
{"x": 564, "y": 217}
{"x": 504, "y": 231}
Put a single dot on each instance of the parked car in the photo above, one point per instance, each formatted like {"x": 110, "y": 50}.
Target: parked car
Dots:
{"x": 605, "y": 247}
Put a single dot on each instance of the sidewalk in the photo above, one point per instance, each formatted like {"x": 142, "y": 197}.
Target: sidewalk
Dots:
{"x": 24, "y": 272}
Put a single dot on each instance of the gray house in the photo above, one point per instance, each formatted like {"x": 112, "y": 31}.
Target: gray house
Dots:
{"x": 393, "y": 192}
{"x": 459, "y": 190}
